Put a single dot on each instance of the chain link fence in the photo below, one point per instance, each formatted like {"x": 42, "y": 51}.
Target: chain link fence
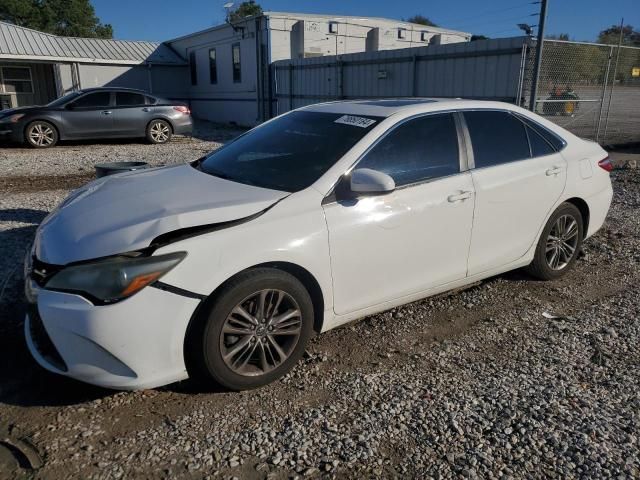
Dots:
{"x": 593, "y": 90}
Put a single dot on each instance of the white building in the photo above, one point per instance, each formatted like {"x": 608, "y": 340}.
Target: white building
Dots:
{"x": 224, "y": 72}
{"x": 229, "y": 64}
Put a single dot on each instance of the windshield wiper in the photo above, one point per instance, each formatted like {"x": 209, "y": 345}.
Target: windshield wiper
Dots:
{"x": 215, "y": 173}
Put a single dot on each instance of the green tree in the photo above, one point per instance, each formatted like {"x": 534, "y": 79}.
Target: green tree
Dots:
{"x": 611, "y": 36}
{"x": 75, "y": 18}
{"x": 245, "y": 9}
{"x": 559, "y": 36}
{"x": 421, "y": 20}
{"x": 479, "y": 37}
{"x": 22, "y": 13}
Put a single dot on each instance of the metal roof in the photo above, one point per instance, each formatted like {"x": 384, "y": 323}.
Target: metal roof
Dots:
{"x": 19, "y": 43}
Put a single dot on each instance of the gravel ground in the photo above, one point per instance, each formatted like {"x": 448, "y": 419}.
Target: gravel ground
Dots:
{"x": 79, "y": 158}
{"x": 510, "y": 378}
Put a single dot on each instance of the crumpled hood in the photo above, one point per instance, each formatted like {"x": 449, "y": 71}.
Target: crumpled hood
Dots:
{"x": 126, "y": 212}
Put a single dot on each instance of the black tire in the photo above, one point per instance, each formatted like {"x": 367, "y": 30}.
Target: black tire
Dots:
{"x": 540, "y": 267}
{"x": 205, "y": 340}
{"x": 159, "y": 131}
{"x": 41, "y": 134}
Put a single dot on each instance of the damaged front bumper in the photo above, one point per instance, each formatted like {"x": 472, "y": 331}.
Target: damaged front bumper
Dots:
{"x": 134, "y": 344}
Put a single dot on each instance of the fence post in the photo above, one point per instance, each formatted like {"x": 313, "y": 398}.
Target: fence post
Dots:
{"x": 290, "y": 86}
{"x": 536, "y": 68}
{"x": 414, "y": 74}
{"x": 340, "y": 65}
{"x": 604, "y": 91}
{"x": 613, "y": 83}
{"x": 523, "y": 67}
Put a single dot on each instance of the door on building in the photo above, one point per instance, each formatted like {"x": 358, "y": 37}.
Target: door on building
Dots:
{"x": 89, "y": 116}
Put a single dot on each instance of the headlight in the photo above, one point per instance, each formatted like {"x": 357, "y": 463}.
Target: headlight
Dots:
{"x": 13, "y": 118}
{"x": 113, "y": 279}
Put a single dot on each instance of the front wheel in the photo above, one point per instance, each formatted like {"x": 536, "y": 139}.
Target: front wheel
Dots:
{"x": 41, "y": 134}
{"x": 159, "y": 131}
{"x": 559, "y": 244}
{"x": 253, "y": 332}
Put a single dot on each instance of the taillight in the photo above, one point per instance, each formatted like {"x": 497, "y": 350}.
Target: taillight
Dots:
{"x": 606, "y": 164}
{"x": 182, "y": 109}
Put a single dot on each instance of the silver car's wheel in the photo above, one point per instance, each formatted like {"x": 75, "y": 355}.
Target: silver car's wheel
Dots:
{"x": 159, "y": 131}
{"x": 261, "y": 332}
{"x": 41, "y": 135}
{"x": 562, "y": 242}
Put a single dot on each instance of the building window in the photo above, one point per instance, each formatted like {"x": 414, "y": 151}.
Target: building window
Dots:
{"x": 424, "y": 36}
{"x": 213, "y": 67}
{"x": 402, "y": 33}
{"x": 237, "y": 71}
{"x": 333, "y": 27}
{"x": 16, "y": 80}
{"x": 194, "y": 68}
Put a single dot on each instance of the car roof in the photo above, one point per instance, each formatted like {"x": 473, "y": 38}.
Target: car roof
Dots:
{"x": 385, "y": 107}
{"x": 114, "y": 89}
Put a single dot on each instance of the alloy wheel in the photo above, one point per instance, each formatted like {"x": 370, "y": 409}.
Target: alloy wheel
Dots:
{"x": 41, "y": 135}
{"x": 261, "y": 332}
{"x": 562, "y": 242}
{"x": 159, "y": 132}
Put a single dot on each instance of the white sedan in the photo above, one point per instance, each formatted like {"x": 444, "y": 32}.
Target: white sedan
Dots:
{"x": 223, "y": 269}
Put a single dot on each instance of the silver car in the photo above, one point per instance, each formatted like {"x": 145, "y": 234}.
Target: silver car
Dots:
{"x": 97, "y": 113}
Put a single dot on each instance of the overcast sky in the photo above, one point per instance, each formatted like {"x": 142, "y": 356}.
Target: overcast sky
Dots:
{"x": 581, "y": 19}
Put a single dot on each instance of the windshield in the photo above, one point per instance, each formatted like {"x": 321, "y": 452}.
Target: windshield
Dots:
{"x": 64, "y": 99}
{"x": 289, "y": 153}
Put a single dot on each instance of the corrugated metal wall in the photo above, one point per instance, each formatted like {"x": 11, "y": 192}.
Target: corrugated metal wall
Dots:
{"x": 486, "y": 69}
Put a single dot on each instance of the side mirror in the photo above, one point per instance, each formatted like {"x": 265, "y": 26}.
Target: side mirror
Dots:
{"x": 69, "y": 106}
{"x": 368, "y": 181}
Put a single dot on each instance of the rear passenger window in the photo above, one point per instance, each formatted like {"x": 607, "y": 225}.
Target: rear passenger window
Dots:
{"x": 551, "y": 138}
{"x": 539, "y": 146}
{"x": 417, "y": 150}
{"x": 129, "y": 99}
{"x": 497, "y": 138}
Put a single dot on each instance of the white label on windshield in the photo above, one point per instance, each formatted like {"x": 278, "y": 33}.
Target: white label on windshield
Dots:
{"x": 355, "y": 121}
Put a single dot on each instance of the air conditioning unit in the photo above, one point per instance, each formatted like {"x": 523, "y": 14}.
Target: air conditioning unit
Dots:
{"x": 6, "y": 101}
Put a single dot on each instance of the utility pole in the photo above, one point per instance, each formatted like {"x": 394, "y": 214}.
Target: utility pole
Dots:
{"x": 536, "y": 67}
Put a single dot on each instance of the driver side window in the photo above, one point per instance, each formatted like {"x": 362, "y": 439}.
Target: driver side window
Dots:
{"x": 93, "y": 100}
{"x": 420, "y": 149}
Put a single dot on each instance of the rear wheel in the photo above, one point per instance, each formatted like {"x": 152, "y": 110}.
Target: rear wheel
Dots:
{"x": 41, "y": 134}
{"x": 559, "y": 244}
{"x": 159, "y": 131}
{"x": 253, "y": 332}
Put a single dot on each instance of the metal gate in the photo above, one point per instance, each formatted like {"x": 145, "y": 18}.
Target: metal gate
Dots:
{"x": 592, "y": 90}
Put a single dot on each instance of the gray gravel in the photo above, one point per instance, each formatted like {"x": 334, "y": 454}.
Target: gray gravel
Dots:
{"x": 511, "y": 378}
{"x": 80, "y": 157}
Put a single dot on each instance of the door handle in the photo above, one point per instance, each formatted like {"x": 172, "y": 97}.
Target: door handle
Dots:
{"x": 459, "y": 197}
{"x": 106, "y": 112}
{"x": 146, "y": 109}
{"x": 553, "y": 171}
